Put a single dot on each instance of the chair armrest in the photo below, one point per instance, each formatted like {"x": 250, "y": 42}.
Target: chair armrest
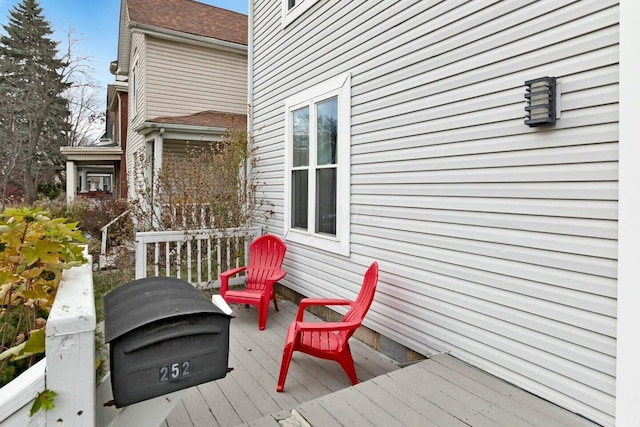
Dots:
{"x": 326, "y": 326}
{"x": 276, "y": 275}
{"x": 224, "y": 278}
{"x": 308, "y": 302}
{"x": 232, "y": 272}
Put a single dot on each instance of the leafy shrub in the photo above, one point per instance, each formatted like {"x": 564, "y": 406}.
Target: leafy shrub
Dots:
{"x": 50, "y": 190}
{"x": 93, "y": 214}
{"x": 34, "y": 251}
{"x": 212, "y": 186}
{"x": 57, "y": 208}
{"x": 100, "y": 212}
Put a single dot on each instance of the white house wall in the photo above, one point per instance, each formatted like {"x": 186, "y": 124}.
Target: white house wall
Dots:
{"x": 496, "y": 241}
{"x": 186, "y": 78}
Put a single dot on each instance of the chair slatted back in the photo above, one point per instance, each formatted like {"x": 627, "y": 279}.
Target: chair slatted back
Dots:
{"x": 266, "y": 254}
{"x": 363, "y": 301}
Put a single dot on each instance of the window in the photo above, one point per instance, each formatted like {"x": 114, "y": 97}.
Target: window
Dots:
{"x": 291, "y": 9}
{"x": 134, "y": 88}
{"x": 317, "y": 165}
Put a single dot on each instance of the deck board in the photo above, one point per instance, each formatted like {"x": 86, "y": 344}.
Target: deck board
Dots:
{"x": 558, "y": 415}
{"x": 314, "y": 410}
{"x": 430, "y": 414}
{"x": 400, "y": 409}
{"x": 441, "y": 391}
{"x": 495, "y": 398}
{"x": 222, "y": 409}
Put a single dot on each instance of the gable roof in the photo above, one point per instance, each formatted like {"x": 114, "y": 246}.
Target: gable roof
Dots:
{"x": 190, "y": 17}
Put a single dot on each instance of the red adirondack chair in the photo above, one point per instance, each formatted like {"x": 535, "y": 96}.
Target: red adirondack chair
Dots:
{"x": 264, "y": 270}
{"x": 329, "y": 340}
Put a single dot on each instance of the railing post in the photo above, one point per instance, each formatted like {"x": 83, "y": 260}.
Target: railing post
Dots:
{"x": 70, "y": 344}
{"x": 141, "y": 257}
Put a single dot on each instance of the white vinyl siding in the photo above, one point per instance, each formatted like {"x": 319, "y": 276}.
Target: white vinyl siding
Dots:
{"x": 186, "y": 79}
{"x": 293, "y": 9}
{"x": 135, "y": 141}
{"x": 496, "y": 241}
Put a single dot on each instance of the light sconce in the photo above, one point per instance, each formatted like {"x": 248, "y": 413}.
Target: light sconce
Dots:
{"x": 541, "y": 101}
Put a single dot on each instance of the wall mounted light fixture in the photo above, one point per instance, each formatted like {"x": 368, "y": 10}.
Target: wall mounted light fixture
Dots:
{"x": 541, "y": 101}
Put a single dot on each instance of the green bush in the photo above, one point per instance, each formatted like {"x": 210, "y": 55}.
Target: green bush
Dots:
{"x": 34, "y": 251}
{"x": 99, "y": 212}
{"x": 93, "y": 214}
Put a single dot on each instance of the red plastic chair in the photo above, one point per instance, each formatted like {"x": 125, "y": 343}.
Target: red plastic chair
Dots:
{"x": 329, "y": 340}
{"x": 264, "y": 270}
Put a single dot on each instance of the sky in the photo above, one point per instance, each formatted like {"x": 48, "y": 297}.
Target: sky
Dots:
{"x": 95, "y": 27}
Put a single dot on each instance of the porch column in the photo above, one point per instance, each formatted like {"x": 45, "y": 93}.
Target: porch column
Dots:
{"x": 71, "y": 183}
{"x": 158, "y": 145}
{"x": 83, "y": 181}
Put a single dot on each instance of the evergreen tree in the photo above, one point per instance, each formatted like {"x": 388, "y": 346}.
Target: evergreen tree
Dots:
{"x": 33, "y": 112}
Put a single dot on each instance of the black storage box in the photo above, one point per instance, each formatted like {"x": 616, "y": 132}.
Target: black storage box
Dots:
{"x": 164, "y": 335}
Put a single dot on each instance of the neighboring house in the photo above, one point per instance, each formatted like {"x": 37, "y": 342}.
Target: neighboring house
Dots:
{"x": 95, "y": 171}
{"x": 101, "y": 169}
{"x": 181, "y": 76}
{"x": 395, "y": 131}
{"x": 185, "y": 64}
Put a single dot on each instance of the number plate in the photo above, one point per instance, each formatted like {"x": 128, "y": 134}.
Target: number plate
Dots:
{"x": 175, "y": 371}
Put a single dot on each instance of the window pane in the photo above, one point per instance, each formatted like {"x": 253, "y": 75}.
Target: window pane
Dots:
{"x": 301, "y": 137}
{"x": 326, "y": 201}
{"x": 327, "y": 131}
{"x": 299, "y": 198}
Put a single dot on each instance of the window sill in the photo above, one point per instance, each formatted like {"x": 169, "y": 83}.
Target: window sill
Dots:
{"x": 325, "y": 243}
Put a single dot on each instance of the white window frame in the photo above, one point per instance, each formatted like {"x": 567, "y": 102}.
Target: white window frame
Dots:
{"x": 290, "y": 15}
{"x": 339, "y": 86}
{"x": 135, "y": 87}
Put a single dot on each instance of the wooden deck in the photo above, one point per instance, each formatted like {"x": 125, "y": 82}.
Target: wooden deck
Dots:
{"x": 440, "y": 391}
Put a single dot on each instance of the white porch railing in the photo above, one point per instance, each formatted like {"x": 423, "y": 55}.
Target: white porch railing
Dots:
{"x": 68, "y": 369}
{"x": 189, "y": 216}
{"x": 197, "y": 256}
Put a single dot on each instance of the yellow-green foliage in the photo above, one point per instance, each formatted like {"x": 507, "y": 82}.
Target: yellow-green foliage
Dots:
{"x": 34, "y": 251}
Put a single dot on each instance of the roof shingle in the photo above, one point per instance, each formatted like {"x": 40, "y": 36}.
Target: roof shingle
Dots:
{"x": 208, "y": 118}
{"x": 190, "y": 17}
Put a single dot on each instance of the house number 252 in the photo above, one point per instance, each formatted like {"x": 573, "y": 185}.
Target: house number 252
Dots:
{"x": 175, "y": 370}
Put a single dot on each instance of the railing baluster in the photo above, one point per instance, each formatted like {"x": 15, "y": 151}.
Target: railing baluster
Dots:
{"x": 156, "y": 259}
{"x": 167, "y": 256}
{"x": 218, "y": 255}
{"x": 178, "y": 259}
{"x": 199, "y": 261}
{"x": 209, "y": 280}
{"x": 236, "y": 244}
{"x": 189, "y": 261}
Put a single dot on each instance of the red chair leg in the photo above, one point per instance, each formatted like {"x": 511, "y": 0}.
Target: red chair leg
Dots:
{"x": 275, "y": 301}
{"x": 263, "y": 311}
{"x": 346, "y": 361}
{"x": 287, "y": 353}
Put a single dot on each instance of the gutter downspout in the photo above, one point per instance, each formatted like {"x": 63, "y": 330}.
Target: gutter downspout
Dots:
{"x": 250, "y": 71}
{"x": 250, "y": 135}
